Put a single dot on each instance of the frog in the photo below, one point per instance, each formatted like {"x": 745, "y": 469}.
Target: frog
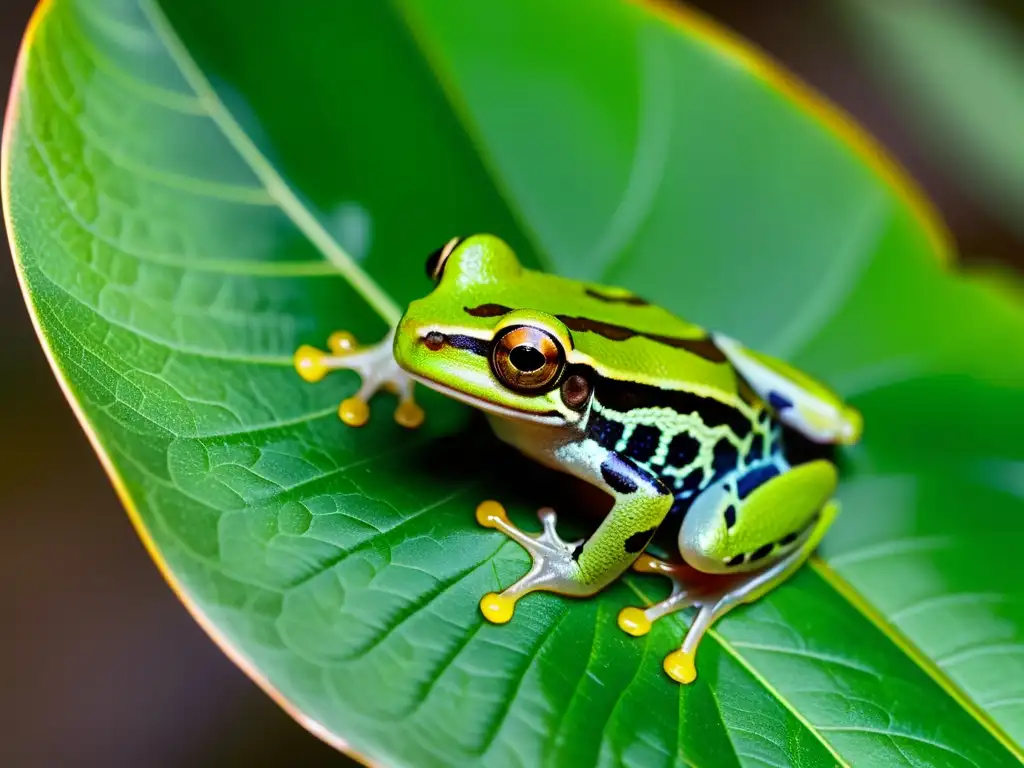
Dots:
{"x": 680, "y": 426}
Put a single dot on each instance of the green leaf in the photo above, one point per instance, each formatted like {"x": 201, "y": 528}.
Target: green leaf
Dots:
{"x": 959, "y": 70}
{"x": 194, "y": 191}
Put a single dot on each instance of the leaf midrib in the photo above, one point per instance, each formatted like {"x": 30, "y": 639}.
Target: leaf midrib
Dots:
{"x": 264, "y": 170}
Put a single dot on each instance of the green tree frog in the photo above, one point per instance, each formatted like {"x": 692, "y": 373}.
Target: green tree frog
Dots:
{"x": 674, "y": 422}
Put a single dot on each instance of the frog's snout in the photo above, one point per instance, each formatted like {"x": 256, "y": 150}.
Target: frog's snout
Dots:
{"x": 406, "y": 342}
{"x": 416, "y": 345}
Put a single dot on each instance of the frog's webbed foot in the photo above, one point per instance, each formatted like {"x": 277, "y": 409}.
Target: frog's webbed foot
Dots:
{"x": 680, "y": 664}
{"x": 553, "y": 566}
{"x": 714, "y": 596}
{"x": 377, "y": 367}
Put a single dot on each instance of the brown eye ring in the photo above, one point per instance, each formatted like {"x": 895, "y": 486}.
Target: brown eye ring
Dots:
{"x": 527, "y": 359}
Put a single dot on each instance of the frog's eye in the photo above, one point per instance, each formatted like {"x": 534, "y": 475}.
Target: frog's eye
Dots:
{"x": 436, "y": 260}
{"x": 527, "y": 359}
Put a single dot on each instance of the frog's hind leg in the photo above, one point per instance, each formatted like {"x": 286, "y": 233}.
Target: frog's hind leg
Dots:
{"x": 744, "y": 534}
{"x": 377, "y": 368}
{"x": 714, "y": 597}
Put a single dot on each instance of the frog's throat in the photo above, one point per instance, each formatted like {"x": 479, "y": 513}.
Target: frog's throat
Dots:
{"x": 550, "y": 418}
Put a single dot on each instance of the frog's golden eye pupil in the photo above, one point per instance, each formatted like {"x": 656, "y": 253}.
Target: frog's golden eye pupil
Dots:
{"x": 527, "y": 359}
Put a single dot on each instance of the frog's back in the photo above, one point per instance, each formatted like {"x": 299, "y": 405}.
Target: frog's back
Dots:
{"x": 617, "y": 331}
{"x": 665, "y": 396}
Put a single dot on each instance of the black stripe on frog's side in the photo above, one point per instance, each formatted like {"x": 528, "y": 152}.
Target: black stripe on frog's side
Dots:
{"x": 469, "y": 343}
{"x": 625, "y": 396}
{"x": 703, "y": 347}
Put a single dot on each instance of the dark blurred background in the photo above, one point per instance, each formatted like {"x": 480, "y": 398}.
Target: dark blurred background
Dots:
{"x": 100, "y": 664}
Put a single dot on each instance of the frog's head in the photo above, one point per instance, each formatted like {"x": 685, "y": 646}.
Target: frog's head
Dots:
{"x": 462, "y": 339}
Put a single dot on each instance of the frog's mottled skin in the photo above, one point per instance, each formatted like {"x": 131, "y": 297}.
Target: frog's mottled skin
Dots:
{"x": 668, "y": 419}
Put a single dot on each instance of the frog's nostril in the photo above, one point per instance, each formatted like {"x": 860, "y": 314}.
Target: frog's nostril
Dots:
{"x": 434, "y": 340}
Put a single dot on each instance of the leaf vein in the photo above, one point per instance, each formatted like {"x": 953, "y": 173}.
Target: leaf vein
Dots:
{"x": 276, "y": 186}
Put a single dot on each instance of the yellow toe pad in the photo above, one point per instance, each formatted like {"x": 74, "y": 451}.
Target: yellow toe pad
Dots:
{"x": 680, "y": 667}
{"x": 354, "y": 412}
{"x": 309, "y": 362}
{"x": 496, "y": 608}
{"x": 409, "y": 415}
{"x": 634, "y": 621}
{"x": 341, "y": 342}
{"x": 489, "y": 513}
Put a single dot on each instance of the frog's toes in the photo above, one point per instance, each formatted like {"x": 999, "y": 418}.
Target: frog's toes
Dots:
{"x": 638, "y": 621}
{"x": 491, "y": 513}
{"x": 354, "y": 411}
{"x": 634, "y": 621}
{"x": 341, "y": 342}
{"x": 553, "y": 562}
{"x": 409, "y": 414}
{"x": 714, "y": 597}
{"x": 309, "y": 362}
{"x": 680, "y": 666}
{"x": 377, "y": 368}
{"x": 497, "y": 609}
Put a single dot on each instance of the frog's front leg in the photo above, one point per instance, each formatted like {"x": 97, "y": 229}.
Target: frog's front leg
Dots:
{"x": 750, "y": 532}
{"x": 581, "y": 568}
{"x": 376, "y": 366}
